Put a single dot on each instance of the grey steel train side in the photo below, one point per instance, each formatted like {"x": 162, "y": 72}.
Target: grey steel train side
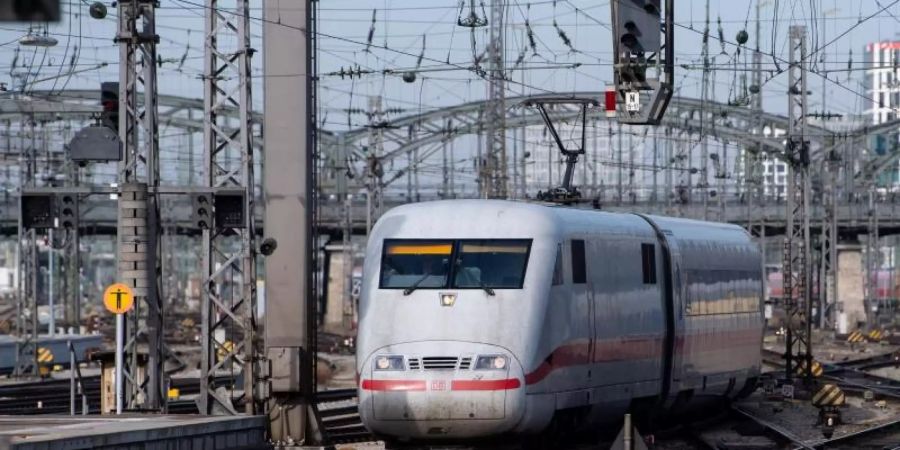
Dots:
{"x": 596, "y": 347}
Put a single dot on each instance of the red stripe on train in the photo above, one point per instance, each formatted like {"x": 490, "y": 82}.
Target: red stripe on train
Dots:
{"x": 579, "y": 352}
{"x": 485, "y": 385}
{"x": 393, "y": 385}
{"x": 455, "y": 385}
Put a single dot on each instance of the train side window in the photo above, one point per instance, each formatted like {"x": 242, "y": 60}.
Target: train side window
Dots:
{"x": 579, "y": 271}
{"x": 557, "y": 268}
{"x": 648, "y": 263}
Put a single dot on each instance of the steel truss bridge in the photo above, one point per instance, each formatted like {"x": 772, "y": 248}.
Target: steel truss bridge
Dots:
{"x": 351, "y": 164}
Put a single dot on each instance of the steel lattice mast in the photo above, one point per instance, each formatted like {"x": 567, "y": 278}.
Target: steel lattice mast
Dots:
{"x": 797, "y": 237}
{"x": 828, "y": 246}
{"x": 26, "y": 298}
{"x": 493, "y": 173}
{"x": 230, "y": 343}
{"x": 753, "y": 166}
{"x": 138, "y": 231}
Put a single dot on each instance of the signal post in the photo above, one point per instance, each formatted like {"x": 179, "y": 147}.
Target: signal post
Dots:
{"x": 119, "y": 299}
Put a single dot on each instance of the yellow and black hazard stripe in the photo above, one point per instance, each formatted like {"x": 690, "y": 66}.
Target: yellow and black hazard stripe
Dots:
{"x": 856, "y": 337}
{"x": 223, "y": 350}
{"x": 875, "y": 335}
{"x": 44, "y": 355}
{"x": 829, "y": 395}
{"x": 816, "y": 370}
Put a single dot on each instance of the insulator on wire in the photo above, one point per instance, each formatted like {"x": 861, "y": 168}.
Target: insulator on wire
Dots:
{"x": 421, "y": 54}
{"x": 471, "y": 20}
{"x": 371, "y": 30}
{"x": 562, "y": 35}
{"x": 721, "y": 35}
{"x": 530, "y": 33}
{"x": 850, "y": 65}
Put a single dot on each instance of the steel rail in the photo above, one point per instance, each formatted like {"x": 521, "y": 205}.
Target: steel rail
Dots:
{"x": 824, "y": 443}
{"x": 781, "y": 431}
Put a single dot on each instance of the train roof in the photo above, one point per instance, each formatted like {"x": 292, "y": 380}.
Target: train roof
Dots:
{"x": 543, "y": 218}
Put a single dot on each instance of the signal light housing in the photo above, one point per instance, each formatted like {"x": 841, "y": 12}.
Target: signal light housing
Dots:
{"x": 67, "y": 211}
{"x": 202, "y": 210}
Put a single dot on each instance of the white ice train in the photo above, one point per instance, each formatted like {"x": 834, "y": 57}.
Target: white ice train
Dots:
{"x": 481, "y": 318}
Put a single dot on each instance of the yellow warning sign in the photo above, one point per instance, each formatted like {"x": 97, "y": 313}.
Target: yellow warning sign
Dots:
{"x": 44, "y": 355}
{"x": 855, "y": 337}
{"x": 829, "y": 395}
{"x": 224, "y": 350}
{"x": 118, "y": 298}
{"x": 816, "y": 371}
{"x": 876, "y": 335}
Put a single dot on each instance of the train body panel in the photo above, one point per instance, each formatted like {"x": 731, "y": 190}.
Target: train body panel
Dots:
{"x": 532, "y": 310}
{"x": 717, "y": 310}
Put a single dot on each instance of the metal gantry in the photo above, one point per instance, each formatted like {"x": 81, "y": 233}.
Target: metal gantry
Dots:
{"x": 703, "y": 184}
{"x": 374, "y": 169}
{"x": 753, "y": 154}
{"x": 72, "y": 251}
{"x": 230, "y": 346}
{"x": 872, "y": 255}
{"x": 493, "y": 166}
{"x": 138, "y": 231}
{"x": 797, "y": 236}
{"x": 828, "y": 240}
{"x": 26, "y": 299}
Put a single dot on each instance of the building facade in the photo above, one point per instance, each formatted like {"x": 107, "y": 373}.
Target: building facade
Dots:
{"x": 882, "y": 88}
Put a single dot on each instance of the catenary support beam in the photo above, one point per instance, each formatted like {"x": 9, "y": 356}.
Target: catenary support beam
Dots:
{"x": 230, "y": 345}
{"x": 796, "y": 257}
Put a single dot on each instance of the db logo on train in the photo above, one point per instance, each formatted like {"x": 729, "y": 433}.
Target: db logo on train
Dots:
{"x": 438, "y": 385}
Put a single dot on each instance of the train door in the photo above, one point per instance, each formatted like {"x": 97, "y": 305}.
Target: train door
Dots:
{"x": 675, "y": 299}
{"x": 580, "y": 314}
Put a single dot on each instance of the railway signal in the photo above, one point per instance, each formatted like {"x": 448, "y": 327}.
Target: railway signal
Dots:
{"x": 201, "y": 210}
{"x": 109, "y": 100}
{"x": 68, "y": 211}
{"x": 643, "y": 66}
{"x": 30, "y": 11}
{"x": 829, "y": 398}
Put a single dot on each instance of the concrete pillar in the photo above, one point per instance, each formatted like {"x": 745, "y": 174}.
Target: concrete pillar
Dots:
{"x": 337, "y": 291}
{"x": 851, "y": 308}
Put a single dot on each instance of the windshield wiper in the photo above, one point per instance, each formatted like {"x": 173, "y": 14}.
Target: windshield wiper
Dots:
{"x": 485, "y": 288}
{"x": 415, "y": 285}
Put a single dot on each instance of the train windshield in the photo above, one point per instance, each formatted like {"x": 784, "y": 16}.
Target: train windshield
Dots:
{"x": 416, "y": 264}
{"x": 477, "y": 264}
{"x": 496, "y": 264}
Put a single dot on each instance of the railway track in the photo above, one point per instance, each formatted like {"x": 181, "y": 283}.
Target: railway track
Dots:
{"x": 339, "y": 413}
{"x": 864, "y": 438}
{"x": 854, "y": 376}
{"x": 52, "y": 396}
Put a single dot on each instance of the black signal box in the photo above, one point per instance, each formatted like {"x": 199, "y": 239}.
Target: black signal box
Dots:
{"x": 38, "y": 210}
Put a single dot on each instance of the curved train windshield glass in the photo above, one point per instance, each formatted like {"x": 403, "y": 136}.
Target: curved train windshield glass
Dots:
{"x": 490, "y": 264}
{"x": 476, "y": 264}
{"x": 415, "y": 264}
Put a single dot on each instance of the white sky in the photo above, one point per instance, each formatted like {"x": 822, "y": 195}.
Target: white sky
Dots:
{"x": 836, "y": 28}
{"x": 400, "y": 25}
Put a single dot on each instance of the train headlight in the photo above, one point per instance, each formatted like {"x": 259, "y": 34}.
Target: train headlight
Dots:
{"x": 389, "y": 363}
{"x": 491, "y": 362}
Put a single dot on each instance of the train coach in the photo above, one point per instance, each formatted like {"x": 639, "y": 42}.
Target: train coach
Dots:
{"x": 481, "y": 318}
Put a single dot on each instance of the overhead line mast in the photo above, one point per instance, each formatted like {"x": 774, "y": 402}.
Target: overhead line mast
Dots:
{"x": 494, "y": 172}
{"x": 796, "y": 273}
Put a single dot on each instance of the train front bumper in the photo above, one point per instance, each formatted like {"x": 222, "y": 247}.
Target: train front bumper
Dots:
{"x": 430, "y": 400}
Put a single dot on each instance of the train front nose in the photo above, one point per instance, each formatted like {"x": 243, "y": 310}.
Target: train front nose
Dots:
{"x": 441, "y": 390}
